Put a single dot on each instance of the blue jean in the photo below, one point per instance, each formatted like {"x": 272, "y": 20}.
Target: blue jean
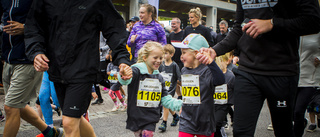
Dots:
{"x": 47, "y": 89}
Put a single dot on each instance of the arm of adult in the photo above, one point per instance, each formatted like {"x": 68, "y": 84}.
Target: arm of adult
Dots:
{"x": 230, "y": 41}
{"x": 307, "y": 21}
{"x": 114, "y": 30}
{"x": 217, "y": 74}
{"x": 34, "y": 36}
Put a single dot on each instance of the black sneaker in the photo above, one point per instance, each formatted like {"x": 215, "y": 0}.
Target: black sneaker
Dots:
{"x": 98, "y": 101}
{"x": 163, "y": 127}
{"x": 175, "y": 121}
{"x": 311, "y": 128}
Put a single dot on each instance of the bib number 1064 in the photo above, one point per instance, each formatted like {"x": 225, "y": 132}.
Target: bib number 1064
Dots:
{"x": 220, "y": 95}
{"x": 190, "y": 91}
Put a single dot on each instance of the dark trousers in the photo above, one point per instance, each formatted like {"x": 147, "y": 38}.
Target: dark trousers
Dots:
{"x": 304, "y": 96}
{"x": 220, "y": 114}
{"x": 250, "y": 92}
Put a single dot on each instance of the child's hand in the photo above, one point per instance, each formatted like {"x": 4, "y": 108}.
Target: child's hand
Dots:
{"x": 205, "y": 57}
{"x": 125, "y": 71}
{"x": 94, "y": 95}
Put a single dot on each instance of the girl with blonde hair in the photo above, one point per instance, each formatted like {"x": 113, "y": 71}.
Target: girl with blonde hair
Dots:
{"x": 146, "y": 89}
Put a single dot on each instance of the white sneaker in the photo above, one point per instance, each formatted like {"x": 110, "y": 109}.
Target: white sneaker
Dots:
{"x": 124, "y": 108}
{"x": 115, "y": 108}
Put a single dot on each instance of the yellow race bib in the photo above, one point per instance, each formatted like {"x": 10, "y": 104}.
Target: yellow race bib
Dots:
{"x": 221, "y": 95}
{"x": 149, "y": 93}
{"x": 190, "y": 89}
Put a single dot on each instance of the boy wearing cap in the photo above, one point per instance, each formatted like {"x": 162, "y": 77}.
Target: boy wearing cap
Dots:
{"x": 198, "y": 83}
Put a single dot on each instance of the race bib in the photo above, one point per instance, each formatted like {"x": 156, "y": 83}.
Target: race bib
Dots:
{"x": 221, "y": 94}
{"x": 190, "y": 89}
{"x": 149, "y": 93}
{"x": 113, "y": 79}
{"x": 167, "y": 78}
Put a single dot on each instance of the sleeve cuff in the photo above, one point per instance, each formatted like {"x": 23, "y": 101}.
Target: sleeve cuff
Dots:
{"x": 124, "y": 82}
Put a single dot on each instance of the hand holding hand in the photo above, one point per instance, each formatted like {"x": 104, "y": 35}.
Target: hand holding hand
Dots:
{"x": 257, "y": 27}
{"x": 14, "y": 28}
{"x": 206, "y": 55}
{"x": 125, "y": 71}
{"x": 40, "y": 63}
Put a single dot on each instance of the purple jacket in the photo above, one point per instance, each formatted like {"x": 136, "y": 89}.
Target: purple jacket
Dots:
{"x": 152, "y": 31}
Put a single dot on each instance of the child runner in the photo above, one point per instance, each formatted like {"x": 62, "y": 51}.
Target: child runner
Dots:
{"x": 47, "y": 90}
{"x": 146, "y": 90}
{"x": 170, "y": 72}
{"x": 114, "y": 90}
{"x": 223, "y": 96}
{"x": 198, "y": 83}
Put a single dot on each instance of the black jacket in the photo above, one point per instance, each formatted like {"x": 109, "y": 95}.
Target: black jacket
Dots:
{"x": 68, "y": 33}
{"x": 274, "y": 53}
{"x": 13, "y": 47}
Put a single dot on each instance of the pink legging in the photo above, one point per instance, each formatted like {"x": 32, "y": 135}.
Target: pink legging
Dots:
{"x": 143, "y": 133}
{"x": 184, "y": 134}
{"x": 111, "y": 93}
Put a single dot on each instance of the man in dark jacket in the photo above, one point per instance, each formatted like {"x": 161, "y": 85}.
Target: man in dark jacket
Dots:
{"x": 269, "y": 60}
{"x": 223, "y": 25}
{"x": 20, "y": 80}
{"x": 64, "y": 35}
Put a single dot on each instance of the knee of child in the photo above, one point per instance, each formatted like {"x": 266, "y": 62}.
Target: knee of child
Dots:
{"x": 111, "y": 94}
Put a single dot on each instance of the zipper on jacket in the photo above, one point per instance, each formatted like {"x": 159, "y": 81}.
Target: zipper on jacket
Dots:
{"x": 10, "y": 16}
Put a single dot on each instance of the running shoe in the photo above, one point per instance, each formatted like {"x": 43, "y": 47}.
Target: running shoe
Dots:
{"x": 175, "y": 121}
{"x": 40, "y": 135}
{"x": 270, "y": 127}
{"x": 163, "y": 127}
{"x": 312, "y": 128}
{"x": 124, "y": 108}
{"x": 97, "y": 101}
{"x": 59, "y": 132}
{"x": 115, "y": 108}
